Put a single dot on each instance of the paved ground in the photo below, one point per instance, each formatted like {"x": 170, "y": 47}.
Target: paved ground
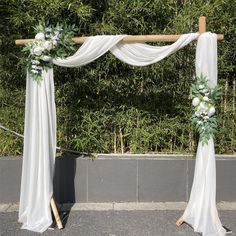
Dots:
{"x": 116, "y": 223}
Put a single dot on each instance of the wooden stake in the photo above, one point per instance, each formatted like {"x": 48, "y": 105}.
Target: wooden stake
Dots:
{"x": 180, "y": 221}
{"x": 202, "y": 24}
{"x": 55, "y": 213}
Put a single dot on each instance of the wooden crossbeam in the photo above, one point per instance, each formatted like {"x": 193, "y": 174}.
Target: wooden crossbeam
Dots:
{"x": 139, "y": 38}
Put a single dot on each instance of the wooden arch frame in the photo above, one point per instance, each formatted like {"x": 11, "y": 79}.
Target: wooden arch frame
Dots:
{"x": 127, "y": 39}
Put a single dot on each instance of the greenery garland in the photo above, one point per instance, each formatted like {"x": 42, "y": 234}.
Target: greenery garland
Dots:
{"x": 204, "y": 100}
{"x": 50, "y": 42}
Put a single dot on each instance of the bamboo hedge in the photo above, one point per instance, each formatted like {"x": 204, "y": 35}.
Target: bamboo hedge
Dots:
{"x": 111, "y": 107}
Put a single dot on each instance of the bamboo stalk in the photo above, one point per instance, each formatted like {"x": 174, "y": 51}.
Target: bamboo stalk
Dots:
{"x": 234, "y": 95}
{"x": 127, "y": 39}
{"x": 121, "y": 142}
{"x": 225, "y": 101}
{"x": 190, "y": 140}
{"x": 233, "y": 129}
{"x": 114, "y": 141}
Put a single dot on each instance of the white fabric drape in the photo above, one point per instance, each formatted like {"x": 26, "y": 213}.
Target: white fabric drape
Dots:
{"x": 201, "y": 210}
{"x": 39, "y": 154}
{"x": 91, "y": 49}
{"x": 40, "y": 126}
{"x": 137, "y": 54}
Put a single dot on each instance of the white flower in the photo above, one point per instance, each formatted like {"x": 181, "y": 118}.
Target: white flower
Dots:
{"x": 199, "y": 122}
{"x": 39, "y": 36}
{"x": 35, "y": 62}
{"x": 203, "y": 106}
{"x": 197, "y": 114}
{"x": 47, "y": 45}
{"x": 204, "y": 90}
{"x": 206, "y": 117}
{"x": 199, "y": 110}
{"x": 195, "y": 101}
{"x": 211, "y": 111}
{"x": 46, "y": 58}
{"x": 205, "y": 98}
{"x": 54, "y": 42}
{"x": 201, "y": 86}
{"x": 38, "y": 51}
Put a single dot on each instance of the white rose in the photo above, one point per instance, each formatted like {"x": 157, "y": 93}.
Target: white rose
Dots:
{"x": 202, "y": 106}
{"x": 205, "y": 98}
{"x": 201, "y": 86}
{"x": 199, "y": 110}
{"x": 39, "y": 36}
{"x": 38, "y": 51}
{"x": 46, "y": 58}
{"x": 47, "y": 45}
{"x": 211, "y": 111}
{"x": 195, "y": 101}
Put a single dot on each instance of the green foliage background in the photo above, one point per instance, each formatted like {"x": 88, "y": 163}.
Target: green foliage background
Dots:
{"x": 108, "y": 106}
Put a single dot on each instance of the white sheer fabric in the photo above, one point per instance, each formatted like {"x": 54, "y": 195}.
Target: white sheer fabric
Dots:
{"x": 40, "y": 128}
{"x": 139, "y": 54}
{"x": 201, "y": 211}
{"x": 92, "y": 48}
{"x": 39, "y": 153}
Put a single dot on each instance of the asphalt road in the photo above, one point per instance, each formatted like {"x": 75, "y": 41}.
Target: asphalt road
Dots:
{"x": 115, "y": 223}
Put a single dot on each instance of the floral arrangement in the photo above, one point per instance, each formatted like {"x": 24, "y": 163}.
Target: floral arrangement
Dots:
{"x": 204, "y": 100}
{"x": 50, "y": 42}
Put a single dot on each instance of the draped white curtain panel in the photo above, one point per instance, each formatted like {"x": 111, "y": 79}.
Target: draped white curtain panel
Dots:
{"x": 40, "y": 131}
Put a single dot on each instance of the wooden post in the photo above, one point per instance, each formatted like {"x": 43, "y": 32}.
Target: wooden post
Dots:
{"x": 55, "y": 213}
{"x": 202, "y": 29}
{"x": 202, "y": 24}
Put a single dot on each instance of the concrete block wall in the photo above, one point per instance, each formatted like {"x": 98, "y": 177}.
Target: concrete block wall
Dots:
{"x": 121, "y": 178}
